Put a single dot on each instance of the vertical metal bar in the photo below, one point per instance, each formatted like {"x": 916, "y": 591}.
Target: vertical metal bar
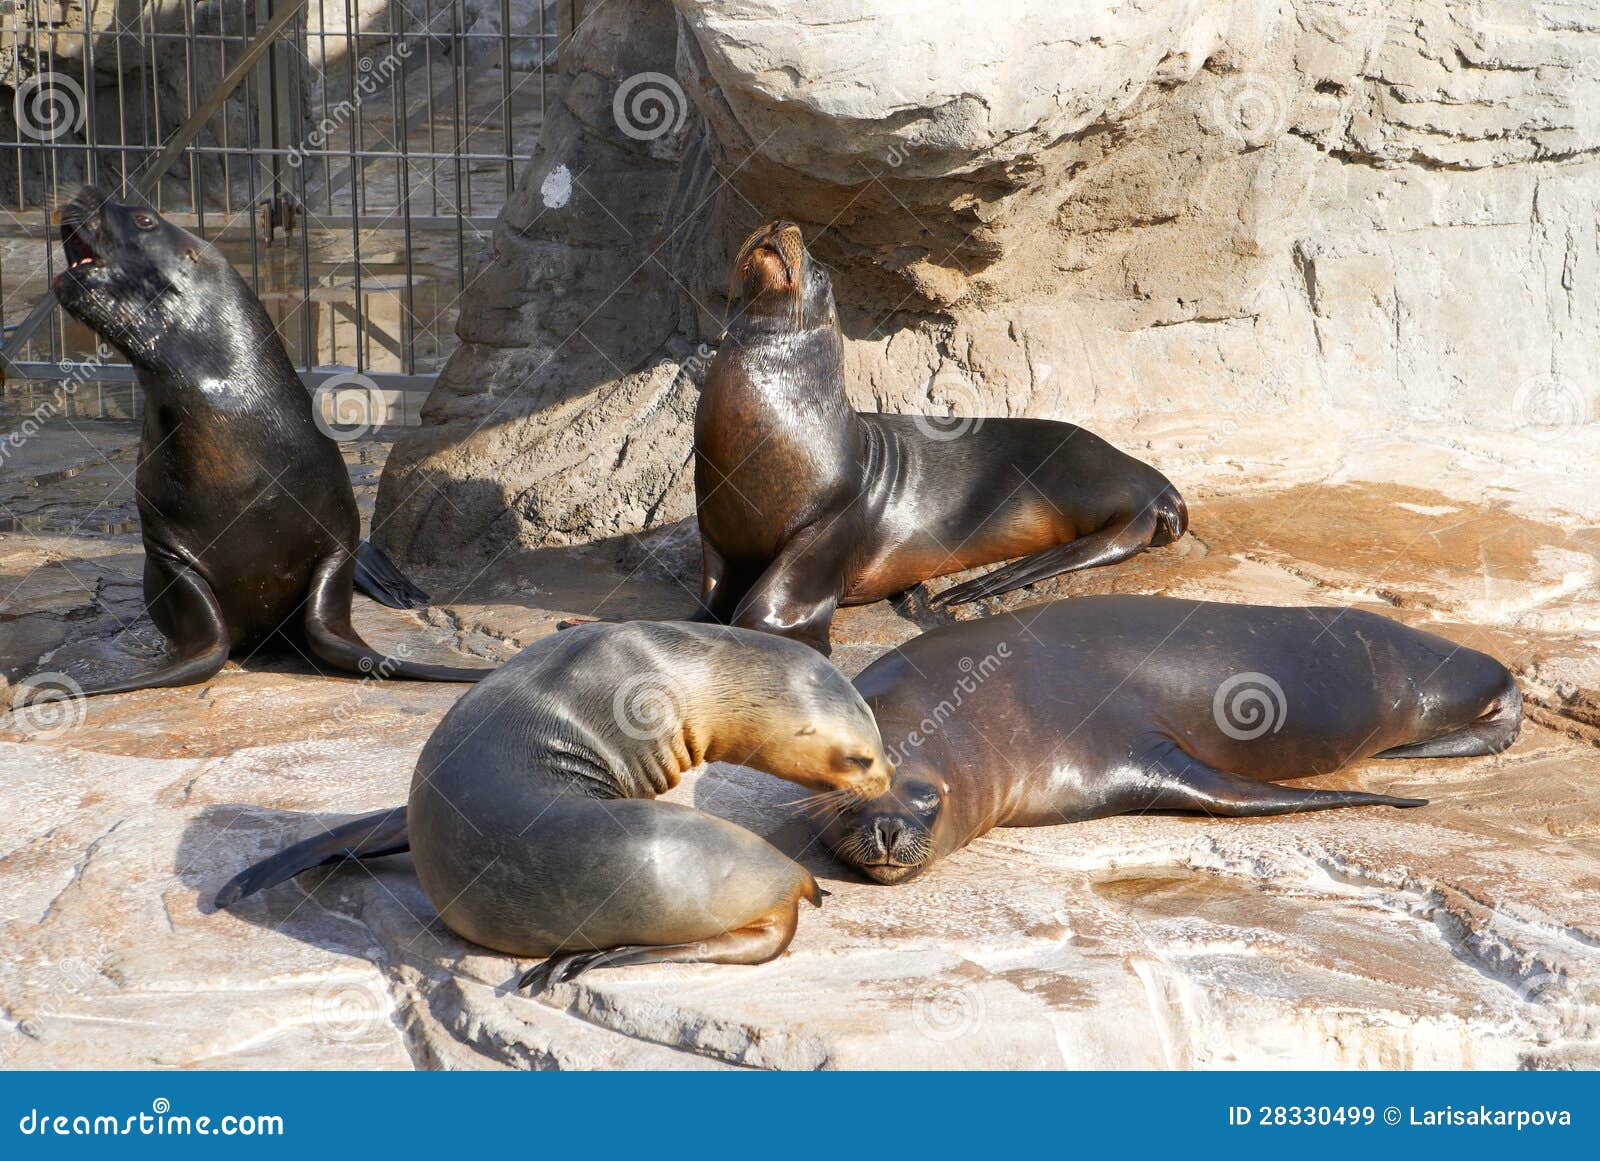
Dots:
{"x": 91, "y": 133}
{"x": 252, "y": 117}
{"x": 355, "y": 203}
{"x": 455, "y": 89}
{"x": 56, "y": 332}
{"x": 402, "y": 122}
{"x": 122, "y": 120}
{"x": 227, "y": 130}
{"x": 427, "y": 89}
{"x": 463, "y": 74}
{"x": 505, "y": 94}
{"x": 301, "y": 113}
{"x": 155, "y": 99}
{"x": 197, "y": 200}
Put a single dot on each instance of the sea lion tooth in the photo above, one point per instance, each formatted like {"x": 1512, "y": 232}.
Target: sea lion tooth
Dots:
{"x": 250, "y": 526}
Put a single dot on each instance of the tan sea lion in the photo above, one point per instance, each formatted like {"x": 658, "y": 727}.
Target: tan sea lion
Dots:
{"x": 531, "y": 820}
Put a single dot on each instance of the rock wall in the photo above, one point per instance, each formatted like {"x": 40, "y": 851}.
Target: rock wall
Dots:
{"x": 1134, "y": 215}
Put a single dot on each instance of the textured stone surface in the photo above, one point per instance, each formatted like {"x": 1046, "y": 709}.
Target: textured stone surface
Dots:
{"x": 1138, "y": 216}
{"x": 1461, "y": 934}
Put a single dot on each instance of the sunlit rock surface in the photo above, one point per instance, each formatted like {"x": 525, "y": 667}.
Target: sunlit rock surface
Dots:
{"x": 1461, "y": 934}
{"x": 1123, "y": 214}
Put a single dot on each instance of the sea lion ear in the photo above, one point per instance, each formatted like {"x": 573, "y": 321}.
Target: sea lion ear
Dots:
{"x": 805, "y": 731}
{"x": 192, "y": 255}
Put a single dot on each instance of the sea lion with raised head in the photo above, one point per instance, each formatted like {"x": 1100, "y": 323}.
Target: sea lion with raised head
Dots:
{"x": 250, "y": 526}
{"x": 1095, "y": 706}
{"x": 530, "y": 819}
{"x": 805, "y": 504}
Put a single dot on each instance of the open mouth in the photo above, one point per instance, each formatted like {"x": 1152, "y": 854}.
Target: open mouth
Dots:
{"x": 77, "y": 244}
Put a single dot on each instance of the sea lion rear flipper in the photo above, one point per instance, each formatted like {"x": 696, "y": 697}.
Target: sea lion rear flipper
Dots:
{"x": 368, "y": 837}
{"x": 190, "y": 609}
{"x": 1172, "y": 780}
{"x": 757, "y": 942}
{"x": 1107, "y": 546}
{"x": 377, "y": 576}
{"x": 334, "y": 640}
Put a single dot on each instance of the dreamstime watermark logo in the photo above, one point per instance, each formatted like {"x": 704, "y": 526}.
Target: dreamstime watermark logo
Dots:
{"x": 948, "y": 1012}
{"x": 48, "y": 105}
{"x": 48, "y": 705}
{"x": 645, "y": 705}
{"x": 1250, "y": 107}
{"x": 348, "y": 710}
{"x": 697, "y": 364}
{"x": 341, "y": 1013}
{"x": 1567, "y": 1009}
{"x": 961, "y": 397}
{"x": 371, "y": 76}
{"x": 348, "y": 406}
{"x": 648, "y": 106}
{"x": 160, "y": 1121}
{"x": 974, "y": 674}
{"x": 1249, "y": 705}
{"x": 1549, "y": 404}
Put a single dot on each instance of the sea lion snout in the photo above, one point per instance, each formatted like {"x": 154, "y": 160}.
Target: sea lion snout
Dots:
{"x": 890, "y": 838}
{"x": 772, "y": 263}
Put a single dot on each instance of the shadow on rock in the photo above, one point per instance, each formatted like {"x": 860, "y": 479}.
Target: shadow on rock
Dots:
{"x": 773, "y": 809}
{"x": 374, "y": 909}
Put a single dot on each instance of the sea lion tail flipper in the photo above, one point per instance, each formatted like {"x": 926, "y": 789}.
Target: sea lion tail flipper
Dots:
{"x": 1172, "y": 780}
{"x": 764, "y": 939}
{"x": 1107, "y": 546}
{"x": 368, "y": 837}
{"x": 199, "y": 633}
{"x": 334, "y": 640}
{"x": 377, "y": 576}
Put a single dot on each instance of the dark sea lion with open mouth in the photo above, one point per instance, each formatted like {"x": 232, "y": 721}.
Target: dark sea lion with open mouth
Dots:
{"x": 250, "y": 526}
{"x": 531, "y": 821}
{"x": 1096, "y": 706}
{"x": 805, "y": 504}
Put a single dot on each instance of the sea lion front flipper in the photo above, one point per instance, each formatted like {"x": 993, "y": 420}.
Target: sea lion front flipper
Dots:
{"x": 1172, "y": 780}
{"x": 334, "y": 639}
{"x": 1494, "y": 731}
{"x": 1107, "y": 546}
{"x": 765, "y": 939}
{"x": 377, "y": 576}
{"x": 189, "y": 615}
{"x": 798, "y": 593}
{"x": 368, "y": 837}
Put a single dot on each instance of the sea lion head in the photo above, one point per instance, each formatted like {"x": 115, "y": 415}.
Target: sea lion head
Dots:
{"x": 776, "y": 279}
{"x": 789, "y": 711}
{"x": 897, "y": 835}
{"x": 144, "y": 285}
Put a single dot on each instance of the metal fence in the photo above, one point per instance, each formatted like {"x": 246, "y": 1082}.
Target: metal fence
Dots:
{"x": 349, "y": 159}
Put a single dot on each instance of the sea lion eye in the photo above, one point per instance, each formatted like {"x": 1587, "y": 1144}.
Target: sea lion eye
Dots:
{"x": 144, "y": 221}
{"x": 864, "y": 761}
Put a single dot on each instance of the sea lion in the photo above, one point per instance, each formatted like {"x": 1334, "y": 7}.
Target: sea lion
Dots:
{"x": 805, "y": 504}
{"x": 1096, "y": 706}
{"x": 250, "y": 525}
{"x": 530, "y": 818}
